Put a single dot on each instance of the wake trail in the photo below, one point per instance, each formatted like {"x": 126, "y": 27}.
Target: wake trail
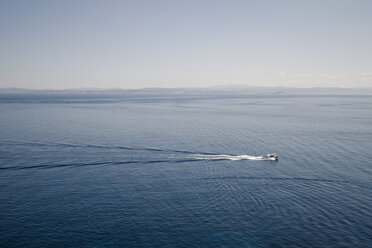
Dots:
{"x": 105, "y": 163}
{"x": 33, "y": 143}
{"x": 190, "y": 156}
{"x": 227, "y": 157}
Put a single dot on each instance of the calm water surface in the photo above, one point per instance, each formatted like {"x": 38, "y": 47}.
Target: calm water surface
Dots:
{"x": 124, "y": 171}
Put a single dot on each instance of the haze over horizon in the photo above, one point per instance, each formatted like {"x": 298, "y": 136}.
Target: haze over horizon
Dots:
{"x": 174, "y": 44}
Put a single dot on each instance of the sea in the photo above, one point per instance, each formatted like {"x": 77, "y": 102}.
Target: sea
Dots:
{"x": 176, "y": 170}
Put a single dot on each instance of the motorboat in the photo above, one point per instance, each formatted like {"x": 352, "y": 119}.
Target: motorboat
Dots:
{"x": 271, "y": 156}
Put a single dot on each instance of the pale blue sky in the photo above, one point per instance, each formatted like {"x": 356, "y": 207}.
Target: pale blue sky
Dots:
{"x": 135, "y": 44}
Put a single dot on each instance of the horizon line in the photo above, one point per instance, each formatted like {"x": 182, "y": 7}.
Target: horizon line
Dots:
{"x": 231, "y": 86}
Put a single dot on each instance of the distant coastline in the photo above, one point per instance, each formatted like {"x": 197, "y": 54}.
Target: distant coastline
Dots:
{"x": 217, "y": 90}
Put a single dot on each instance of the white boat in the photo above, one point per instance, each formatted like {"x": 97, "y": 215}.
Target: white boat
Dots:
{"x": 271, "y": 156}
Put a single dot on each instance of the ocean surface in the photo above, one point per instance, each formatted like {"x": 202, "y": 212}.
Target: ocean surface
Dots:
{"x": 171, "y": 171}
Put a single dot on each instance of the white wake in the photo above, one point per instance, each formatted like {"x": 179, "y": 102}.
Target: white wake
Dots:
{"x": 230, "y": 157}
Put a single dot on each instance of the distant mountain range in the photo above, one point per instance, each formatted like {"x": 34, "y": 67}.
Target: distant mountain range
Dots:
{"x": 216, "y": 90}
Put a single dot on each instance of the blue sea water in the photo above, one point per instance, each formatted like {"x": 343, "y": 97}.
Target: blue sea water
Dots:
{"x": 127, "y": 171}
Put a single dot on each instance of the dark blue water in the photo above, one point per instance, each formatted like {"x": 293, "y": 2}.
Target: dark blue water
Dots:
{"x": 124, "y": 171}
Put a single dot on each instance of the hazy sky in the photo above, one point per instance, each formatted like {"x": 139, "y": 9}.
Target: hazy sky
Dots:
{"x": 135, "y": 44}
